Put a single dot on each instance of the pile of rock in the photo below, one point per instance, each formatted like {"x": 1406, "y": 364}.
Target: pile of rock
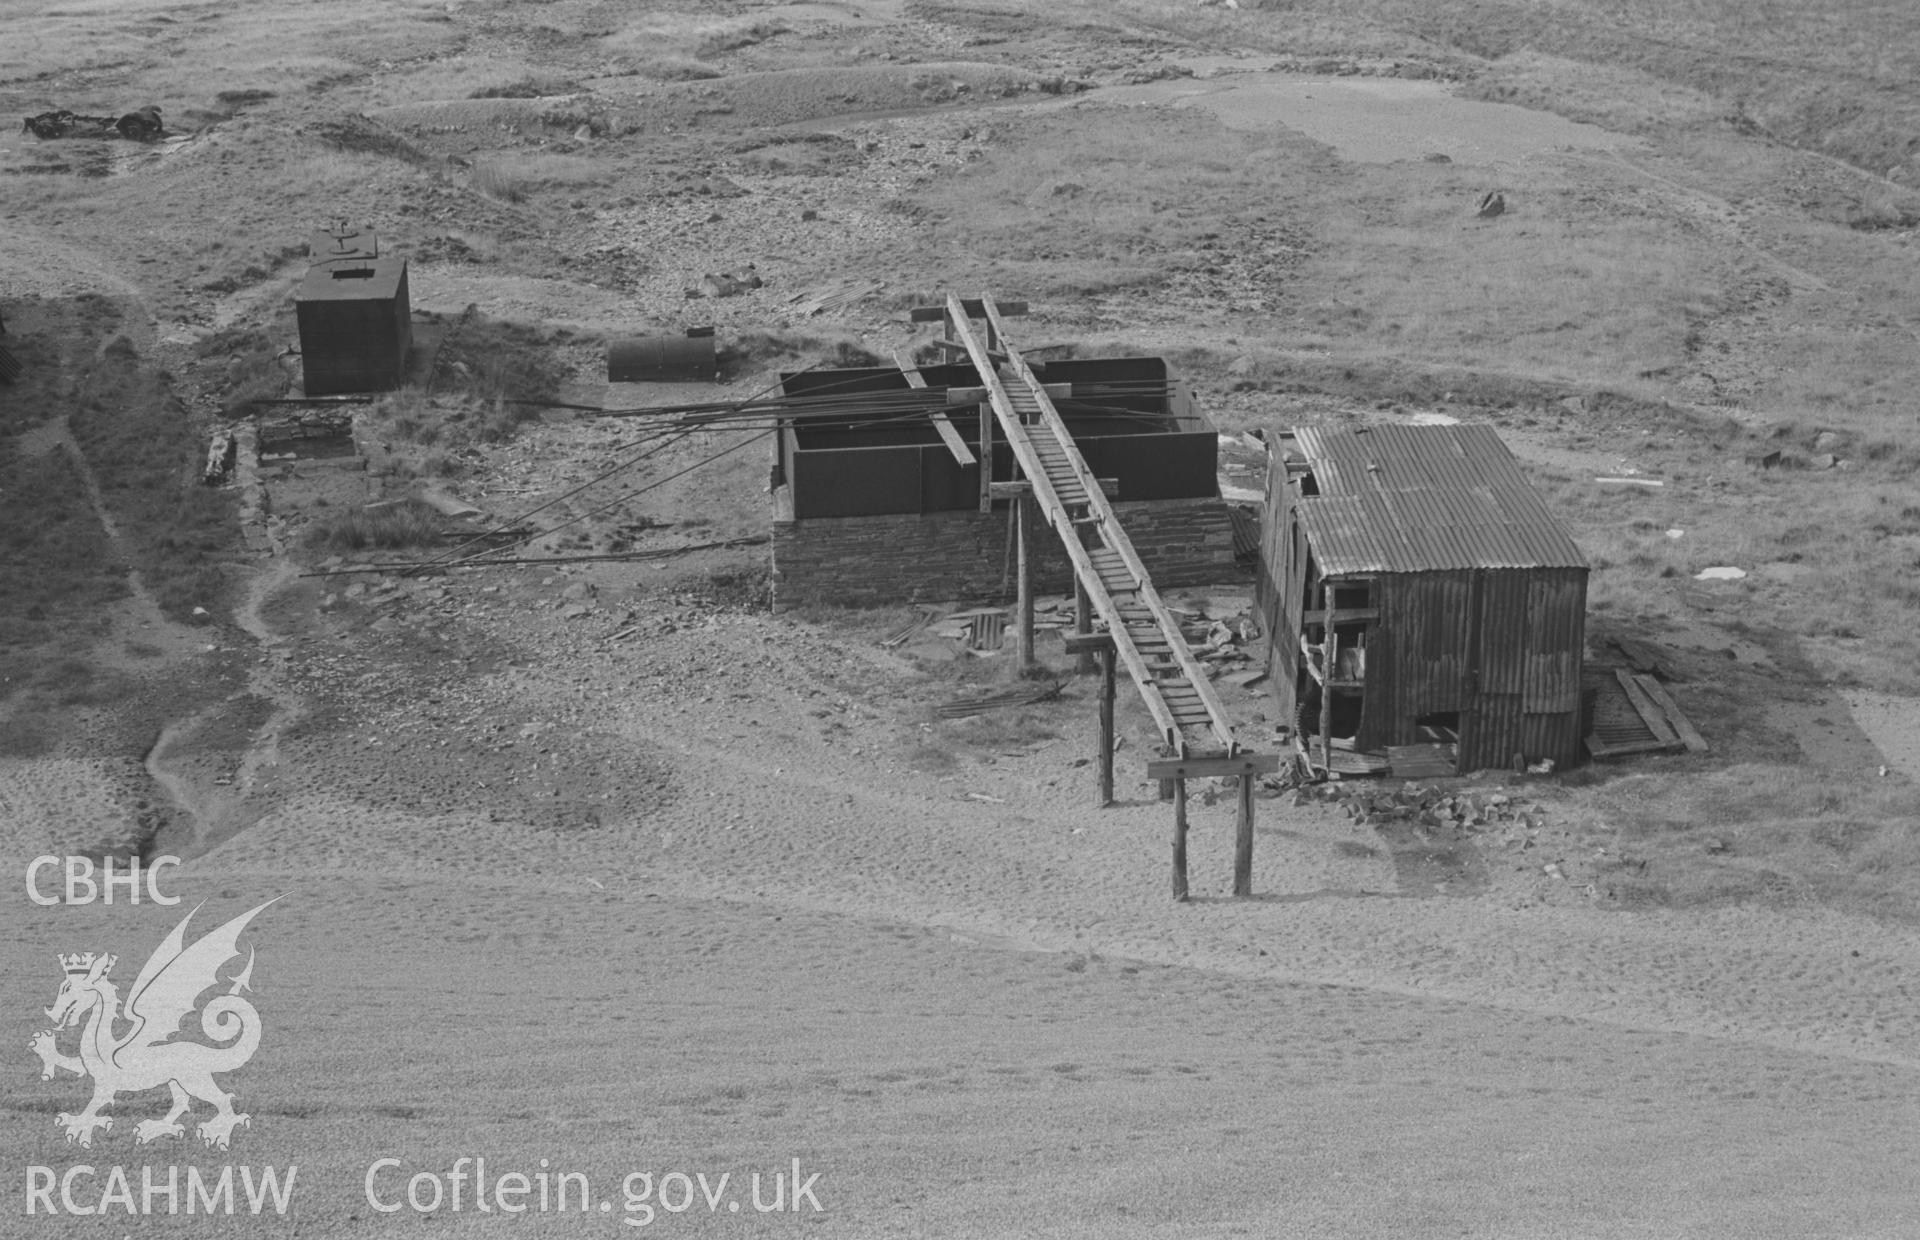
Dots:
{"x": 1429, "y": 807}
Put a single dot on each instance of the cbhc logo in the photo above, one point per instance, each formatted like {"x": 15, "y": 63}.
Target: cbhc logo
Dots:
{"x": 83, "y": 888}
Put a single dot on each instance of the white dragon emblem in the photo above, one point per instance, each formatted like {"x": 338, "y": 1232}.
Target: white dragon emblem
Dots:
{"x": 144, "y": 1056}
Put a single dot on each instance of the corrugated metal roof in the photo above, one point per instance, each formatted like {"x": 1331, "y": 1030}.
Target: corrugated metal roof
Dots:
{"x": 1408, "y": 499}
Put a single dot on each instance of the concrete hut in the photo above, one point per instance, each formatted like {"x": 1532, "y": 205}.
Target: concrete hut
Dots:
{"x": 1425, "y": 610}
{"x": 356, "y": 324}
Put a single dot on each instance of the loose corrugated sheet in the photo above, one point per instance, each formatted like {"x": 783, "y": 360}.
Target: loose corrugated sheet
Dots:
{"x": 1419, "y": 498}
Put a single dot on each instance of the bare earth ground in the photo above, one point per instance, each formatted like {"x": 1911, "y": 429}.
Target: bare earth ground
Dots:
{"x": 604, "y": 864}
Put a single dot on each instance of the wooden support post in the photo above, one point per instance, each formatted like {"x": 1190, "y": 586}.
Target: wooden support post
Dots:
{"x": 1180, "y": 841}
{"x": 1023, "y": 534}
{"x": 1329, "y": 656}
{"x": 1082, "y": 618}
{"x": 986, "y": 457}
{"x": 1108, "y": 658}
{"x": 1243, "y": 841}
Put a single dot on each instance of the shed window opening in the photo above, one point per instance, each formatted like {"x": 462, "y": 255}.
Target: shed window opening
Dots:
{"x": 352, "y": 273}
{"x": 1441, "y": 727}
{"x": 1343, "y": 724}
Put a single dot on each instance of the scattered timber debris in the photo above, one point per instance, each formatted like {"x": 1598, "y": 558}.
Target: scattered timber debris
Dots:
{"x": 902, "y": 635}
{"x": 1634, "y": 713}
{"x": 140, "y": 125}
{"x": 964, "y": 707}
{"x": 833, "y": 298}
{"x": 984, "y": 629}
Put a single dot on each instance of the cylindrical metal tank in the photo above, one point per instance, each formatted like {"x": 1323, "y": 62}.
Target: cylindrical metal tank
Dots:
{"x": 662, "y": 359}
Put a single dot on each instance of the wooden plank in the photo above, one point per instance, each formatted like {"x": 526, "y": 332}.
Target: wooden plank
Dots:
{"x": 1682, "y": 726}
{"x": 1213, "y": 767}
{"x": 908, "y": 369}
{"x": 976, "y": 395}
{"x": 971, "y": 306}
{"x": 951, "y": 437}
{"x": 954, "y": 346}
{"x": 1419, "y": 761}
{"x": 948, "y": 436}
{"x": 1341, "y": 615}
{"x": 1088, "y": 643}
{"x": 1655, "y": 718}
{"x": 1645, "y": 656}
{"x": 1008, "y": 490}
{"x": 1598, "y": 748}
{"x": 1346, "y": 762}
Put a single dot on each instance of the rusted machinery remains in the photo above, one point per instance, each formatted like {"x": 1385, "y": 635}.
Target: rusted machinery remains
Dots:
{"x": 139, "y": 125}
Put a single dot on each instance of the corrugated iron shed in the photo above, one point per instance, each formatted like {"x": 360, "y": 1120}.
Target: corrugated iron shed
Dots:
{"x": 1408, "y": 499}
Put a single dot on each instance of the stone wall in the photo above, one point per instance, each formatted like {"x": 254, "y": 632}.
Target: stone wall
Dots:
{"x": 950, "y": 556}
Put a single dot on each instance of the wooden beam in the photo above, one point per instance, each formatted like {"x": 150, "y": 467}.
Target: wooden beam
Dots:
{"x": 1213, "y": 767}
{"x": 1597, "y": 748}
{"x": 1682, "y": 726}
{"x": 948, "y": 436}
{"x": 1342, "y": 615}
{"x": 1180, "y": 841}
{"x": 1083, "y": 621}
{"x": 971, "y": 306}
{"x": 986, "y": 457}
{"x": 956, "y": 445}
{"x": 1088, "y": 643}
{"x": 954, "y": 346}
{"x": 975, "y": 395}
{"x": 1643, "y": 705}
{"x": 1243, "y": 840}
{"x": 1015, "y": 489}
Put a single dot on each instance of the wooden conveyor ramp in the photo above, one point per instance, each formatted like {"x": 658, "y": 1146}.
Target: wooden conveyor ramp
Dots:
{"x": 1146, "y": 637}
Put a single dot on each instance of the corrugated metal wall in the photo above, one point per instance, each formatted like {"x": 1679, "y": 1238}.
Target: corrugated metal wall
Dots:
{"x": 1501, "y": 648}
